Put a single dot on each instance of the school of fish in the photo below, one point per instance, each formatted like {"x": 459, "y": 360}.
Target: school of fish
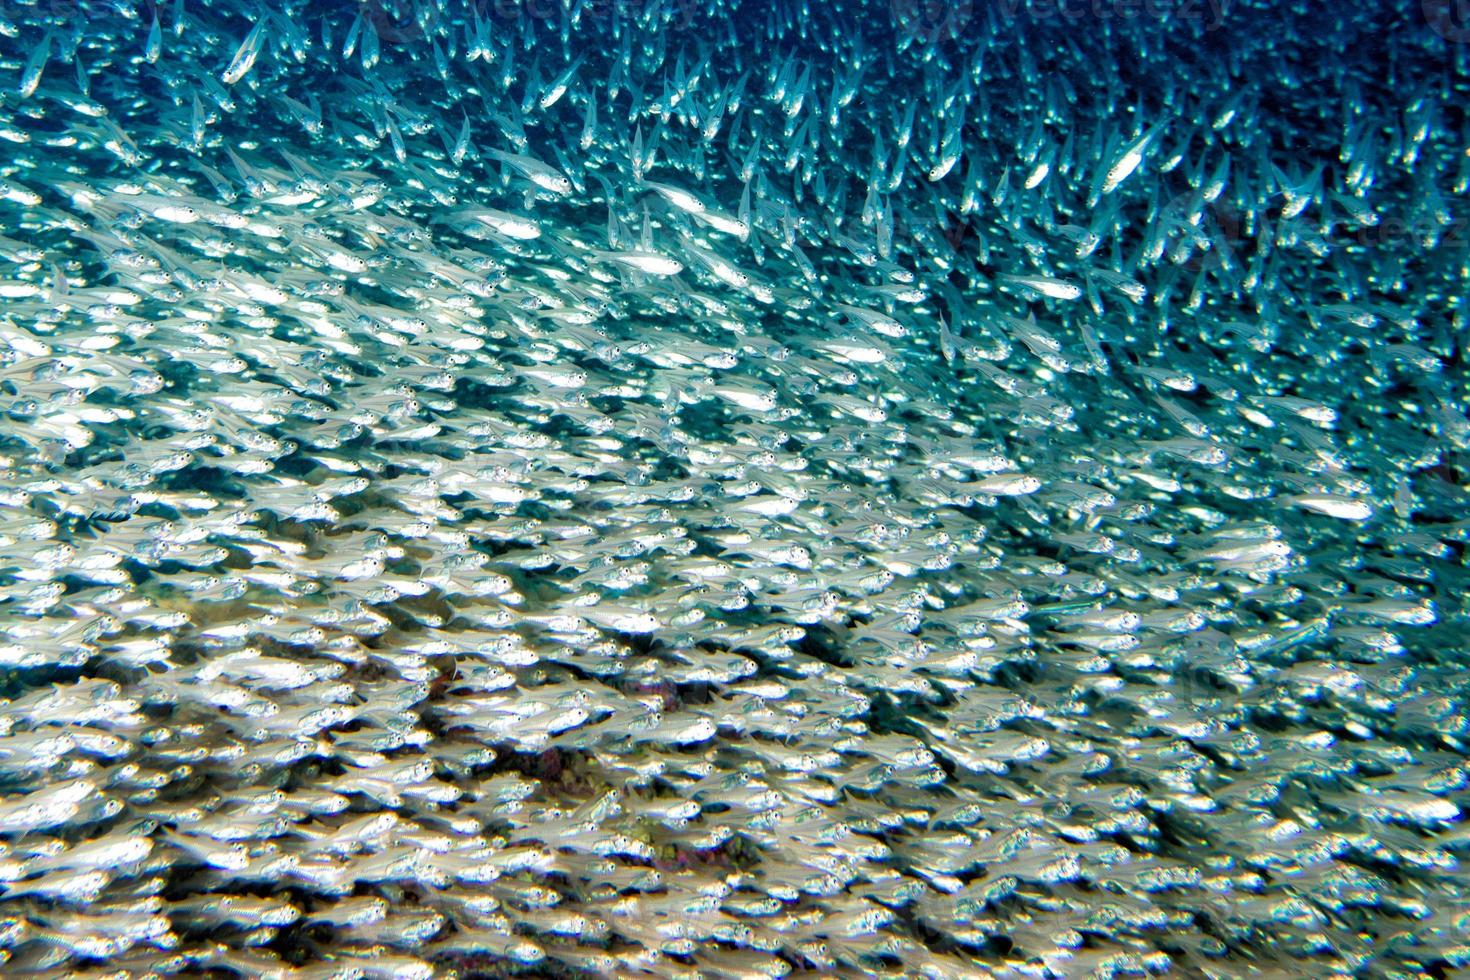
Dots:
{"x": 714, "y": 488}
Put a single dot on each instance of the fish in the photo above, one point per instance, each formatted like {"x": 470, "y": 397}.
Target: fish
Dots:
{"x": 541, "y": 174}
{"x": 153, "y": 48}
{"x": 730, "y": 487}
{"x": 1130, "y": 158}
{"x": 30, "y": 76}
{"x": 245, "y": 55}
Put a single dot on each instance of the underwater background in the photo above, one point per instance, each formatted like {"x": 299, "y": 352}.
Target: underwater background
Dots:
{"x": 700, "y": 488}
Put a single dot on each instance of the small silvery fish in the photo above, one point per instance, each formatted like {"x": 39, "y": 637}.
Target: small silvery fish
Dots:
{"x": 702, "y": 487}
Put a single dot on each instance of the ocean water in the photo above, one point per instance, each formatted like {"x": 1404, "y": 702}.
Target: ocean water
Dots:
{"x": 734, "y": 489}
